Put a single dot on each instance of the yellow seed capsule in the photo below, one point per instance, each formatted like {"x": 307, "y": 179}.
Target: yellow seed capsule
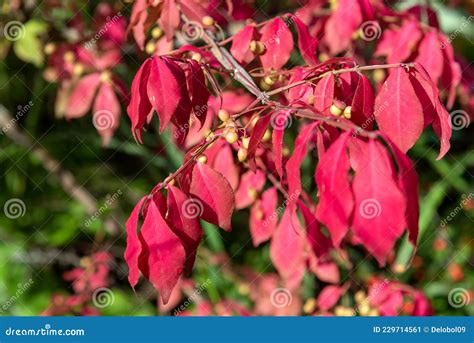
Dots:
{"x": 223, "y": 115}
{"x": 373, "y": 313}
{"x": 245, "y": 142}
{"x": 196, "y": 56}
{"x": 347, "y": 112}
{"x": 310, "y": 100}
{"x": 243, "y": 289}
{"x": 202, "y": 159}
{"x": 309, "y": 306}
{"x": 379, "y": 75}
{"x": 207, "y": 21}
{"x": 242, "y": 154}
{"x": 364, "y": 309}
{"x": 264, "y": 86}
{"x": 339, "y": 310}
{"x": 257, "y": 47}
{"x": 78, "y": 69}
{"x": 267, "y": 136}
{"x": 49, "y": 48}
{"x": 268, "y": 80}
{"x": 231, "y": 137}
{"x": 157, "y": 32}
{"x": 360, "y": 296}
{"x": 105, "y": 76}
{"x": 69, "y": 56}
{"x": 252, "y": 193}
{"x": 285, "y": 151}
{"x": 337, "y": 107}
{"x": 260, "y": 48}
{"x": 259, "y": 214}
{"x": 150, "y": 48}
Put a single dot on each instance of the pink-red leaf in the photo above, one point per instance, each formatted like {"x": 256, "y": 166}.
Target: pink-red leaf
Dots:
{"x": 399, "y": 110}
{"x": 164, "y": 252}
{"x": 132, "y": 252}
{"x": 263, "y": 217}
{"x": 185, "y": 223}
{"x": 278, "y": 42}
{"x": 215, "y": 194}
{"x": 287, "y": 245}
{"x": 380, "y": 205}
{"x": 335, "y": 195}
{"x": 81, "y": 98}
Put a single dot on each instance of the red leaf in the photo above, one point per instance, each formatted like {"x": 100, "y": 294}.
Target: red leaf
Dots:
{"x": 307, "y": 44}
{"x": 430, "y": 55}
{"x": 215, "y": 193}
{"x": 258, "y": 132}
{"x": 167, "y": 92}
{"x": 399, "y": 110}
{"x": 278, "y": 42}
{"x": 250, "y": 184}
{"x": 183, "y": 218}
{"x": 164, "y": 252}
{"x": 81, "y": 98}
{"x": 277, "y": 141}
{"x": 405, "y": 39}
{"x": 139, "y": 106}
{"x": 197, "y": 87}
{"x": 379, "y": 213}
{"x": 329, "y": 297}
{"x": 169, "y": 19}
{"x": 132, "y": 252}
{"x": 106, "y": 116}
{"x": 320, "y": 243}
{"x": 336, "y": 199}
{"x": 441, "y": 121}
{"x": 324, "y": 94}
{"x": 408, "y": 183}
{"x": 363, "y": 104}
{"x": 294, "y": 164}
{"x": 341, "y": 25}
{"x": 287, "y": 245}
{"x": 224, "y": 164}
{"x": 263, "y": 217}
{"x": 241, "y": 44}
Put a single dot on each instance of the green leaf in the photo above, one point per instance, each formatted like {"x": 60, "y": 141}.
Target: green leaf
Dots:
{"x": 29, "y": 47}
